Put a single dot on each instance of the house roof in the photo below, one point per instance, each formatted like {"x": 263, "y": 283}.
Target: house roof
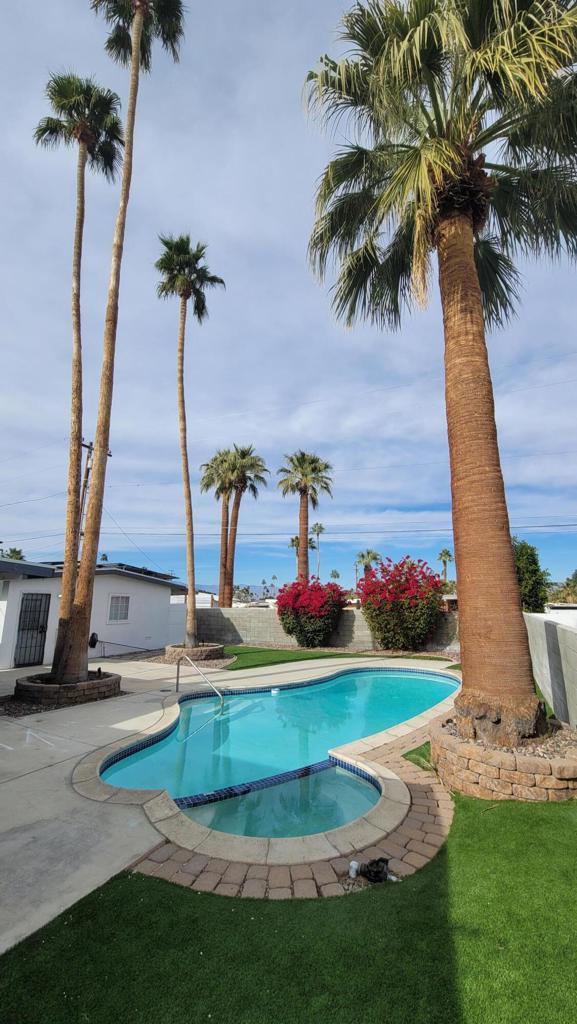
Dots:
{"x": 11, "y": 568}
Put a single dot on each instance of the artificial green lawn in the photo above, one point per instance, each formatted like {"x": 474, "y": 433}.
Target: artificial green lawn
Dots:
{"x": 259, "y": 657}
{"x": 421, "y": 756}
{"x": 485, "y": 934}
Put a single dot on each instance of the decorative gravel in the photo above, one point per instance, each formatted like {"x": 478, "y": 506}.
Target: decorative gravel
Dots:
{"x": 561, "y": 741}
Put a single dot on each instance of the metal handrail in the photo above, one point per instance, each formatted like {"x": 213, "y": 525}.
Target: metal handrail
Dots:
{"x": 184, "y": 657}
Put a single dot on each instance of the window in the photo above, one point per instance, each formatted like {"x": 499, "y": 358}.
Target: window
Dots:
{"x": 118, "y": 609}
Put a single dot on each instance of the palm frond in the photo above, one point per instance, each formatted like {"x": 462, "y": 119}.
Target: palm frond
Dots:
{"x": 51, "y": 131}
{"x": 498, "y": 280}
{"x": 163, "y": 20}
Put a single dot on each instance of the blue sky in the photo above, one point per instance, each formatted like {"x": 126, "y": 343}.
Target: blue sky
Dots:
{"x": 224, "y": 150}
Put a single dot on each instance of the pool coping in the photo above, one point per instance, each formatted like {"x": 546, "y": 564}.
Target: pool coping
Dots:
{"x": 170, "y": 821}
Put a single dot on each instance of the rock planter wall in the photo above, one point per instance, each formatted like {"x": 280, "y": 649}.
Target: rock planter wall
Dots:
{"x": 53, "y": 695}
{"x": 500, "y": 775}
{"x": 206, "y": 652}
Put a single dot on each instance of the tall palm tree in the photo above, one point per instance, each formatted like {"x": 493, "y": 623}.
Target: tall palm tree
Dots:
{"x": 430, "y": 89}
{"x": 445, "y": 556}
{"x": 316, "y": 530}
{"x": 217, "y": 476}
{"x": 87, "y": 116}
{"x": 335, "y": 574}
{"x": 248, "y": 474}
{"x": 186, "y": 276}
{"x": 135, "y": 24}
{"x": 307, "y": 475}
{"x": 367, "y": 559}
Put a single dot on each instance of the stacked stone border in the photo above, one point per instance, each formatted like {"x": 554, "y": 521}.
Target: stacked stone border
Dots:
{"x": 501, "y": 775}
{"x": 61, "y": 695}
{"x": 204, "y": 652}
{"x": 409, "y": 847}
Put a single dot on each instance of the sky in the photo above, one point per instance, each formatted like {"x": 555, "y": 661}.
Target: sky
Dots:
{"x": 226, "y": 151}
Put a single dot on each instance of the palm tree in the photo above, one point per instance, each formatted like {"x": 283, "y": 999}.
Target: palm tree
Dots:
{"x": 248, "y": 474}
{"x": 335, "y": 574}
{"x": 367, "y": 559}
{"x": 16, "y": 554}
{"x": 305, "y": 474}
{"x": 87, "y": 116}
{"x": 135, "y": 24}
{"x": 217, "y": 476}
{"x": 316, "y": 530}
{"x": 445, "y": 556}
{"x": 274, "y": 581}
{"x": 186, "y": 276}
{"x": 429, "y": 89}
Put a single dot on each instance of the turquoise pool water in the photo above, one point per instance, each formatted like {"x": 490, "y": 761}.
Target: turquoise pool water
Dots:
{"x": 262, "y": 734}
{"x": 300, "y": 807}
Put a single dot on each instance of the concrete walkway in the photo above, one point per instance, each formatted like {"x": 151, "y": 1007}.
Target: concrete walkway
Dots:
{"x": 55, "y": 845}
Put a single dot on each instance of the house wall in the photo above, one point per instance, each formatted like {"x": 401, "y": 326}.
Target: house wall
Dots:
{"x": 261, "y": 627}
{"x": 554, "y": 655}
{"x": 568, "y": 616}
{"x": 147, "y": 624}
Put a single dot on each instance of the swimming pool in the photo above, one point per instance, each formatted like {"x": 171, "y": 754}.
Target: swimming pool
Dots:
{"x": 212, "y": 755}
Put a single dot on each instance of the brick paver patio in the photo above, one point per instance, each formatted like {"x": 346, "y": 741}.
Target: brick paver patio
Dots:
{"x": 409, "y": 847}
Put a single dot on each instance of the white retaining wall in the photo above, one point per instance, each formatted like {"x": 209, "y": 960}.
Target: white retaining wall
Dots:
{"x": 554, "y": 655}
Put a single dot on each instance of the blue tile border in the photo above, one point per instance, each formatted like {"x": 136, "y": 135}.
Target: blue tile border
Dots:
{"x": 199, "y": 799}
{"x": 271, "y": 780}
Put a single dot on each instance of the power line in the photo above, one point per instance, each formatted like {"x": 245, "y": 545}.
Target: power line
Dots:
{"x": 378, "y": 531}
{"x": 134, "y": 544}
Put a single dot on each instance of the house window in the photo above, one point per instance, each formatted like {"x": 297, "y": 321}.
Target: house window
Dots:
{"x": 118, "y": 608}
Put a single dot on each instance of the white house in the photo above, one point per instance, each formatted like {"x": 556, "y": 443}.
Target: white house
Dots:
{"x": 130, "y": 610}
{"x": 565, "y": 613}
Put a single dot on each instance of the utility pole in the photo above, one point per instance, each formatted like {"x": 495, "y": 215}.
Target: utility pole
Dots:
{"x": 86, "y": 481}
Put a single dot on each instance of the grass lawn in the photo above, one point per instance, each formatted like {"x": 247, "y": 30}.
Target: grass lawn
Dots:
{"x": 421, "y": 756}
{"x": 258, "y": 657}
{"x": 485, "y": 934}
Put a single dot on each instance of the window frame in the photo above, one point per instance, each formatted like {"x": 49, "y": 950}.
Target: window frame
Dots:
{"x": 118, "y": 622}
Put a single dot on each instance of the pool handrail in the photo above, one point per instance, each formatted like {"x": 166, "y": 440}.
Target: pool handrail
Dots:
{"x": 184, "y": 657}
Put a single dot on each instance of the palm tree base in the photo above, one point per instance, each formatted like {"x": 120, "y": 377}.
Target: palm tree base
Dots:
{"x": 502, "y": 721}
{"x": 198, "y": 652}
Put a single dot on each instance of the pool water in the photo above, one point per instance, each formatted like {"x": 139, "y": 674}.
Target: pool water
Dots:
{"x": 303, "y": 806}
{"x": 257, "y": 735}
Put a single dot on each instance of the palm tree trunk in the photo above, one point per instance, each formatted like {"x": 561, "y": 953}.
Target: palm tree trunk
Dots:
{"x": 231, "y": 548}
{"x": 444, "y": 571}
{"x": 318, "y": 556}
{"x": 498, "y": 700}
{"x": 72, "y": 537}
{"x": 303, "y": 552}
{"x": 223, "y": 547}
{"x": 191, "y": 595}
{"x": 74, "y": 662}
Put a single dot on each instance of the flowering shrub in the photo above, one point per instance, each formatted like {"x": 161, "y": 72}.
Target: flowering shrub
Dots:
{"x": 401, "y": 602}
{"x": 309, "y": 610}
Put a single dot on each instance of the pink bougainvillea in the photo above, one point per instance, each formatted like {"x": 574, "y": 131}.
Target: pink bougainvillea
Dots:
{"x": 309, "y": 610}
{"x": 401, "y": 602}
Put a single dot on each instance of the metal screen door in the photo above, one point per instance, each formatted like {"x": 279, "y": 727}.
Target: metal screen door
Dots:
{"x": 32, "y": 624}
